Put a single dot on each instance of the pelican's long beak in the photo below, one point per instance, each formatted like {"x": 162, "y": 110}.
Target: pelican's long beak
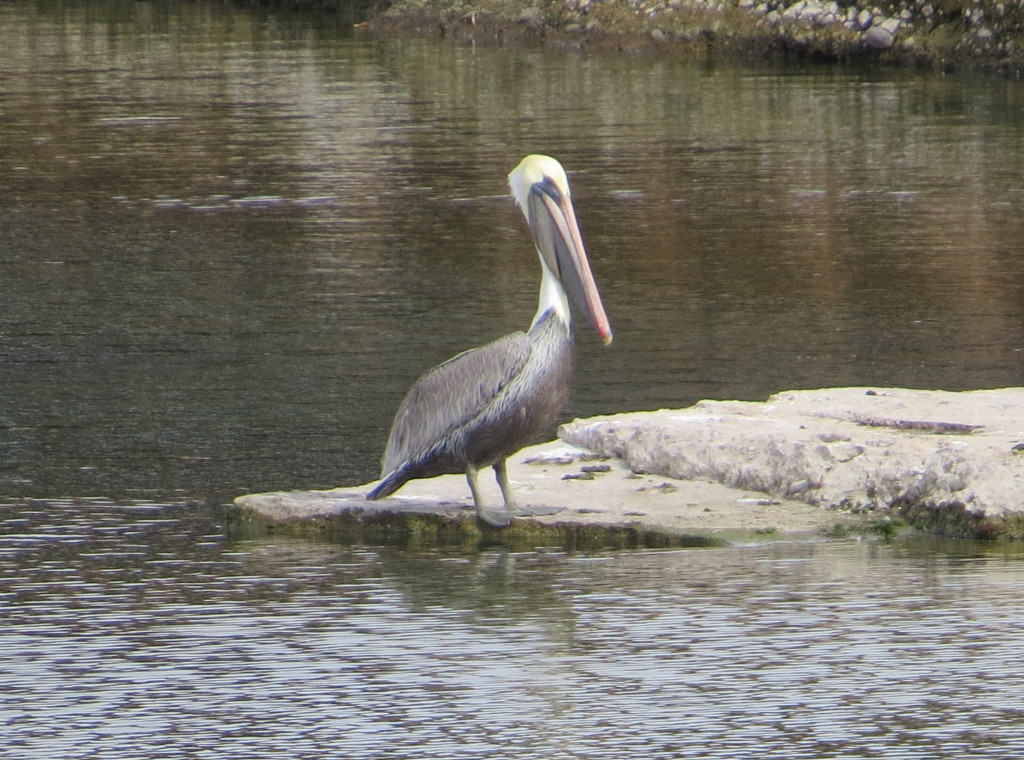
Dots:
{"x": 556, "y": 233}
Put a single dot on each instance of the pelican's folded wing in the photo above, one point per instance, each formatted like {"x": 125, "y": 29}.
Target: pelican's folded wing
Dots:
{"x": 451, "y": 395}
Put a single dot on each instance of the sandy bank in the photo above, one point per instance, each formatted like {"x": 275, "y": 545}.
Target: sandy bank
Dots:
{"x": 822, "y": 461}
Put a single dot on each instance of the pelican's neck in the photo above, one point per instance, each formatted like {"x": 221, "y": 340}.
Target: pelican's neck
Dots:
{"x": 552, "y": 298}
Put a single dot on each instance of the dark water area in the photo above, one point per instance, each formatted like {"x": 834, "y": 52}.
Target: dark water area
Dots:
{"x": 231, "y": 239}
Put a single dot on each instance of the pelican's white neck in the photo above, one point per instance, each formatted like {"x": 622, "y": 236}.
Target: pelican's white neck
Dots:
{"x": 552, "y": 297}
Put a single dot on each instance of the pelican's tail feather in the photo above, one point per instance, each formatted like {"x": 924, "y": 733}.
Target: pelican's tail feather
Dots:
{"x": 388, "y": 485}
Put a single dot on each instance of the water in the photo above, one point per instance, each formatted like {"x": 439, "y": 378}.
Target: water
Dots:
{"x": 229, "y": 241}
{"x": 132, "y": 631}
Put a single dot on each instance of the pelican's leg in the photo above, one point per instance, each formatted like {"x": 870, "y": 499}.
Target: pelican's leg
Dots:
{"x": 501, "y": 473}
{"x": 471, "y": 473}
{"x": 498, "y": 518}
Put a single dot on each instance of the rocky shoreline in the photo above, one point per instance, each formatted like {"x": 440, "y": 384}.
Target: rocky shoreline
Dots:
{"x": 840, "y": 461}
{"x": 943, "y": 35}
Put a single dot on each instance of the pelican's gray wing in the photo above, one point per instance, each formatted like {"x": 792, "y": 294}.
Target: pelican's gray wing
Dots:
{"x": 452, "y": 395}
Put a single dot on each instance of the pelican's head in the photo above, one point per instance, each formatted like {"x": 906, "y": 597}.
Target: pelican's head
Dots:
{"x": 541, "y": 190}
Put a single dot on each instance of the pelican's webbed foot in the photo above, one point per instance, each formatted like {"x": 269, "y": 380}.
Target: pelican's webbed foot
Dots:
{"x": 496, "y": 518}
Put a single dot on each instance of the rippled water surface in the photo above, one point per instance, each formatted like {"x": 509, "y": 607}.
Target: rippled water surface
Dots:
{"x": 140, "y": 631}
{"x": 230, "y": 239}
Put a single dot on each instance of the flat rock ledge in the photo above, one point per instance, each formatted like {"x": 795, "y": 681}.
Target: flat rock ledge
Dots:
{"x": 832, "y": 461}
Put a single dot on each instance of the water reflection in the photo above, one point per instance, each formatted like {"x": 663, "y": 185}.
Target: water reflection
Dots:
{"x": 138, "y": 629}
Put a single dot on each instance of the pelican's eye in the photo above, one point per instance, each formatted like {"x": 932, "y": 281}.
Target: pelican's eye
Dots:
{"x": 549, "y": 188}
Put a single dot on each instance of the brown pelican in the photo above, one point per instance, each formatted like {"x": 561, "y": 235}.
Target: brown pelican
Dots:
{"x": 485, "y": 404}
